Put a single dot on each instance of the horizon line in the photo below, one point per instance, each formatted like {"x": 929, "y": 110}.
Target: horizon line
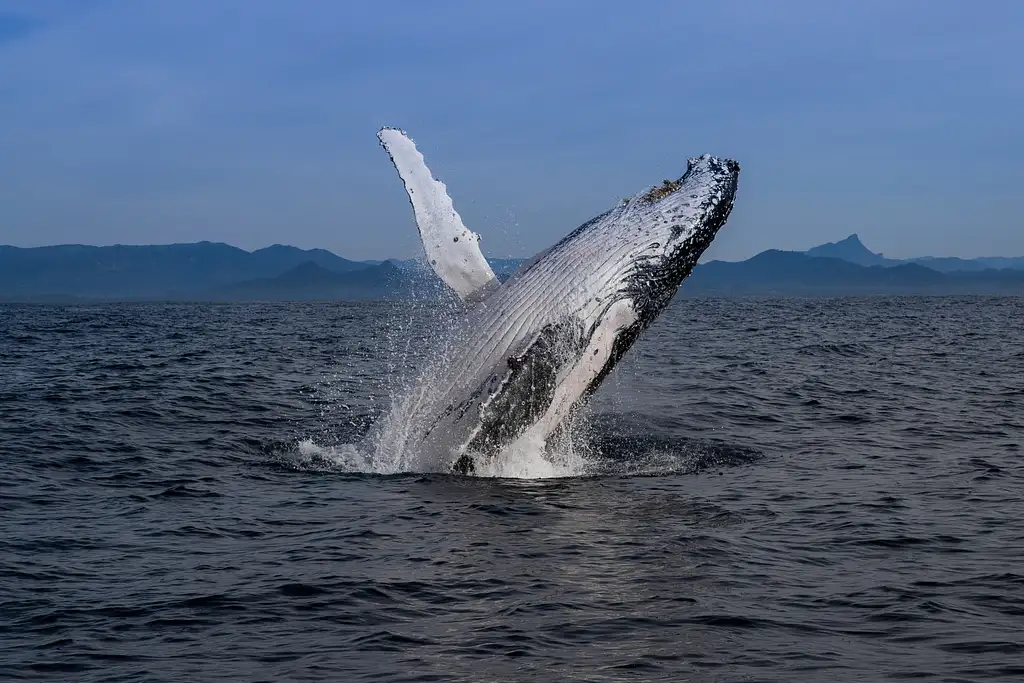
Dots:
{"x": 492, "y": 258}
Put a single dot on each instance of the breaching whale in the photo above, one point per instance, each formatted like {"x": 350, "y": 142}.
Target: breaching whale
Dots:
{"x": 529, "y": 351}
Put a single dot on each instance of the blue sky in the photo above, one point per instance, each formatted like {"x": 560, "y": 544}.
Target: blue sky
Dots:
{"x": 253, "y": 121}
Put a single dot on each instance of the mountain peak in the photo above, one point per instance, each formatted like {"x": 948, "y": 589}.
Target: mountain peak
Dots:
{"x": 850, "y": 249}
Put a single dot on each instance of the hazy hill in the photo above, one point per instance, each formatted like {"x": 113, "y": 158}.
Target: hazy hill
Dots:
{"x": 213, "y": 271}
{"x": 853, "y": 250}
{"x": 948, "y": 264}
{"x": 786, "y": 272}
{"x": 311, "y": 282}
{"x": 146, "y": 271}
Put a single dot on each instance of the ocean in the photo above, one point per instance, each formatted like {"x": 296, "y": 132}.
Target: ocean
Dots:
{"x": 770, "y": 490}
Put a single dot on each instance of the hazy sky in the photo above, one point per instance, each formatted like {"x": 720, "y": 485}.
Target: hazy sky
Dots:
{"x": 253, "y": 122}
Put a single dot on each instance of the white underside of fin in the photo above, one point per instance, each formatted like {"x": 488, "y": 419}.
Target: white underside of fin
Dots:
{"x": 453, "y": 251}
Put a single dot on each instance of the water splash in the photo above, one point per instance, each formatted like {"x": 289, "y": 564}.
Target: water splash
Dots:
{"x": 612, "y": 456}
{"x": 520, "y": 460}
{"x": 535, "y": 459}
{"x": 390, "y": 447}
{"x": 342, "y": 458}
{"x": 377, "y": 436}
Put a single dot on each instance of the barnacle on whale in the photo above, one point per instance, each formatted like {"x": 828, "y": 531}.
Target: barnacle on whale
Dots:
{"x": 666, "y": 188}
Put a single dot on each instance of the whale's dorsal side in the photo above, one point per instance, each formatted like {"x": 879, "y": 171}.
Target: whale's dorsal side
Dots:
{"x": 452, "y": 249}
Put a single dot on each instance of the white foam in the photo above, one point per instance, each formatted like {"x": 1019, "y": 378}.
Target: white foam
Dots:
{"x": 525, "y": 458}
{"x": 341, "y": 458}
{"x": 532, "y": 459}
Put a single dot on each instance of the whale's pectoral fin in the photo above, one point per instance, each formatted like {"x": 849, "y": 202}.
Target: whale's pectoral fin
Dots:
{"x": 453, "y": 251}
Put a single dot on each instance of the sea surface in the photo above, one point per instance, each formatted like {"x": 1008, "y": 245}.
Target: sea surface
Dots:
{"x": 772, "y": 490}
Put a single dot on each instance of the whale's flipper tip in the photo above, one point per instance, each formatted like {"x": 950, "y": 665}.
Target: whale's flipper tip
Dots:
{"x": 387, "y": 131}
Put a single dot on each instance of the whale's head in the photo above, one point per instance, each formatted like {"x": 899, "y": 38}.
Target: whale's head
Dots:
{"x": 666, "y": 228}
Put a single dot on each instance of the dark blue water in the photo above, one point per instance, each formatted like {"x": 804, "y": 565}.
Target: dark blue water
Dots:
{"x": 779, "y": 490}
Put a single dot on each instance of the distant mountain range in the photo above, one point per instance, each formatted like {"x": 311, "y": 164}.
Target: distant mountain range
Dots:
{"x": 794, "y": 273}
{"x": 310, "y": 281}
{"x": 147, "y": 272}
{"x": 853, "y": 250}
{"x": 208, "y": 271}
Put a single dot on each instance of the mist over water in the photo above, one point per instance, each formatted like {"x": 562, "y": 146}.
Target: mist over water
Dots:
{"x": 764, "y": 489}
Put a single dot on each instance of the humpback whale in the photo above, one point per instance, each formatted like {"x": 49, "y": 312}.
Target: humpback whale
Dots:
{"x": 528, "y": 352}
